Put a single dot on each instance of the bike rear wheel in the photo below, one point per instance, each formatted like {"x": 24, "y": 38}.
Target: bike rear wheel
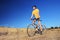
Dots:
{"x": 31, "y": 30}
{"x": 43, "y": 29}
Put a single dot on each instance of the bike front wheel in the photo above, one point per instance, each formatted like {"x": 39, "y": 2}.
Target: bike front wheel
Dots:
{"x": 31, "y": 30}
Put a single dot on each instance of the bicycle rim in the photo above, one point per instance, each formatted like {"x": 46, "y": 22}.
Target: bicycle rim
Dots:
{"x": 31, "y": 30}
{"x": 44, "y": 29}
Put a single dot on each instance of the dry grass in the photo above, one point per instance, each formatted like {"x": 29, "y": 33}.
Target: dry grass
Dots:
{"x": 21, "y": 34}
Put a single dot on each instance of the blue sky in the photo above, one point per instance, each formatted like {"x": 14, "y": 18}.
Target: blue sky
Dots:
{"x": 16, "y": 13}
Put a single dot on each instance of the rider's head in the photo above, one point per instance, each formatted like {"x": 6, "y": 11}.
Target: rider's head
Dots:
{"x": 34, "y": 6}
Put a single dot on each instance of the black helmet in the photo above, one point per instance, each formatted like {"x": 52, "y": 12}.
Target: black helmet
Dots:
{"x": 34, "y": 6}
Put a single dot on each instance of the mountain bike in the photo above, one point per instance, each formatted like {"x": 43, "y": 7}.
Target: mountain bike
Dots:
{"x": 31, "y": 29}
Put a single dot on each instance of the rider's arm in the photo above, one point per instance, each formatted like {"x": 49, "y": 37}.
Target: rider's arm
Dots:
{"x": 39, "y": 14}
{"x": 31, "y": 15}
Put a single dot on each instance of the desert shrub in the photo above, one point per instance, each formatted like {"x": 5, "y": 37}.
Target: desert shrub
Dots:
{"x": 52, "y": 27}
{"x": 56, "y": 27}
{"x": 59, "y": 27}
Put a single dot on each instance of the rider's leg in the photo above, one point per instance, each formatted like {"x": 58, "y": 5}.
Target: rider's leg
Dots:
{"x": 34, "y": 23}
{"x": 39, "y": 23}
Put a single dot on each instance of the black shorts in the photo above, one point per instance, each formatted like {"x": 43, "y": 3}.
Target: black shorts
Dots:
{"x": 37, "y": 19}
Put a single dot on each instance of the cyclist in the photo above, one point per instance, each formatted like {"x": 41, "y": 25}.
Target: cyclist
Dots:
{"x": 35, "y": 14}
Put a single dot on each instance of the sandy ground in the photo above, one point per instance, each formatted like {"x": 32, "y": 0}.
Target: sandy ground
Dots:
{"x": 21, "y": 34}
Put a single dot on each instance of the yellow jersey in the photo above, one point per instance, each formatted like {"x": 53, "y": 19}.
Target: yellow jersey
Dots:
{"x": 36, "y": 13}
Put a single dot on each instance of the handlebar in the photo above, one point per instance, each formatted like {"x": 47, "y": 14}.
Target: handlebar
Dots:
{"x": 33, "y": 19}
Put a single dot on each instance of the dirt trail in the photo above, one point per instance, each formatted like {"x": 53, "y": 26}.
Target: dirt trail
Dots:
{"x": 49, "y": 35}
{"x": 21, "y": 34}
